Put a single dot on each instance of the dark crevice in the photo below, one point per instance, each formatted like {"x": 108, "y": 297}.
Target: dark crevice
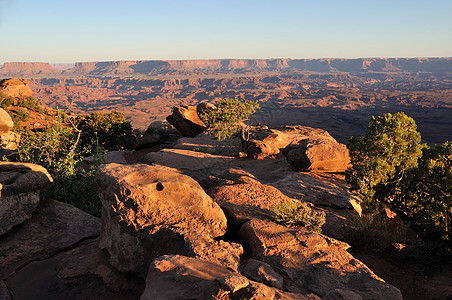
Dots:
{"x": 234, "y": 225}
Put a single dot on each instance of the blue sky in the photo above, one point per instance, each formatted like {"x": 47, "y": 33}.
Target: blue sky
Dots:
{"x": 71, "y": 31}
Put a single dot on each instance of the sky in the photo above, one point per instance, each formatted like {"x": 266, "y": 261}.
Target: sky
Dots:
{"x": 67, "y": 31}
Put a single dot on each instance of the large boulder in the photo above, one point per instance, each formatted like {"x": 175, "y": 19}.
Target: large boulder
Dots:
{"x": 54, "y": 227}
{"x": 20, "y": 186}
{"x": 180, "y": 277}
{"x": 15, "y": 88}
{"x": 185, "y": 118}
{"x": 6, "y": 123}
{"x": 268, "y": 143}
{"x": 55, "y": 255}
{"x": 312, "y": 262}
{"x": 149, "y": 211}
{"x": 9, "y": 140}
{"x": 318, "y": 154}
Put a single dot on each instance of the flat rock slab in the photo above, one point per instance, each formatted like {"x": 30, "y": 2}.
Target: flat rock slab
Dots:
{"x": 55, "y": 226}
{"x": 80, "y": 273}
{"x": 312, "y": 262}
{"x": 206, "y": 143}
{"x": 187, "y": 160}
{"x": 180, "y": 277}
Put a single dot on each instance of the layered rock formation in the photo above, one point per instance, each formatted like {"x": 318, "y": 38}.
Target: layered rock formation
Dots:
{"x": 15, "y": 88}
{"x": 20, "y": 186}
{"x": 151, "y": 211}
{"x": 240, "y": 65}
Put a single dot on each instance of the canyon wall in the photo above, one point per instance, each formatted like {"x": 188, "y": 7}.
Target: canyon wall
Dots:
{"x": 161, "y": 67}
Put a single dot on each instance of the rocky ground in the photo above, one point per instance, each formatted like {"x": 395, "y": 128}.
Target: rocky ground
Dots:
{"x": 188, "y": 218}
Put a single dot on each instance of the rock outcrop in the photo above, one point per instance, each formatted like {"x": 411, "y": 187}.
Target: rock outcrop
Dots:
{"x": 318, "y": 154}
{"x": 311, "y": 262}
{"x": 180, "y": 277}
{"x": 6, "y": 123}
{"x": 8, "y": 139}
{"x": 206, "y": 143}
{"x": 306, "y": 149}
{"x": 186, "y": 120}
{"x": 268, "y": 142}
{"x": 15, "y": 88}
{"x": 149, "y": 211}
{"x": 20, "y": 186}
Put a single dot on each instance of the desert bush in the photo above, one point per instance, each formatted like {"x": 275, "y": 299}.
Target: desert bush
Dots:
{"x": 373, "y": 233}
{"x": 225, "y": 120}
{"x": 390, "y": 168}
{"x": 29, "y": 102}
{"x": 19, "y": 115}
{"x": 57, "y": 148}
{"x": 111, "y": 130}
{"x": 5, "y": 102}
{"x": 292, "y": 214}
{"x": 381, "y": 157}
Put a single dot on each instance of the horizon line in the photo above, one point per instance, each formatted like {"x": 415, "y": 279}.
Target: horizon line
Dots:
{"x": 214, "y": 59}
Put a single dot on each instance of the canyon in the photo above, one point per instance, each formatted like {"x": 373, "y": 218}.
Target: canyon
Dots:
{"x": 338, "y": 95}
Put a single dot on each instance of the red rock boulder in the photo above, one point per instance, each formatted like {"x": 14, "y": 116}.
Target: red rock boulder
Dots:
{"x": 186, "y": 120}
{"x": 318, "y": 154}
{"x": 15, "y": 88}
{"x": 149, "y": 211}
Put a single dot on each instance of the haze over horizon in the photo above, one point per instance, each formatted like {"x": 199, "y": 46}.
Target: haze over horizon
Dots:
{"x": 67, "y": 32}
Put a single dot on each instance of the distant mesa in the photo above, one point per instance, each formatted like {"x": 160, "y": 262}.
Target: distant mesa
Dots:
{"x": 24, "y": 69}
{"x": 174, "y": 67}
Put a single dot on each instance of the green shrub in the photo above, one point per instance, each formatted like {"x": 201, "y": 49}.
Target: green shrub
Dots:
{"x": 20, "y": 115}
{"x": 58, "y": 149}
{"x": 5, "y": 102}
{"x": 372, "y": 233}
{"x": 291, "y": 214}
{"x": 390, "y": 168}
{"x": 224, "y": 120}
{"x": 111, "y": 130}
{"x": 29, "y": 102}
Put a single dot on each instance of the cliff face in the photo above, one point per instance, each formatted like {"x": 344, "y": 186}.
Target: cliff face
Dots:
{"x": 22, "y": 69}
{"x": 185, "y": 67}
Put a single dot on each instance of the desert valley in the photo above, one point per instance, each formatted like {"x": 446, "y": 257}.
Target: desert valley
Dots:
{"x": 338, "y": 95}
{"x": 180, "y": 214}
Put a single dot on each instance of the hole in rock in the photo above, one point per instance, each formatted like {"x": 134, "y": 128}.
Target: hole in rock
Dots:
{"x": 159, "y": 187}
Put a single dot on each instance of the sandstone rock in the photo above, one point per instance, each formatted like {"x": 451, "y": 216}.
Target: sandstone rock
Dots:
{"x": 150, "y": 211}
{"x": 6, "y": 123}
{"x": 9, "y": 140}
{"x": 201, "y": 108}
{"x": 339, "y": 294}
{"x": 15, "y": 88}
{"x": 206, "y": 143}
{"x": 179, "y": 277}
{"x": 318, "y": 154}
{"x": 147, "y": 140}
{"x": 247, "y": 200}
{"x": 159, "y": 126}
{"x": 313, "y": 262}
{"x": 261, "y": 272}
{"x": 80, "y": 273}
{"x": 268, "y": 143}
{"x": 196, "y": 164}
{"x": 20, "y": 185}
{"x": 186, "y": 120}
{"x": 4, "y": 293}
{"x": 55, "y": 226}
